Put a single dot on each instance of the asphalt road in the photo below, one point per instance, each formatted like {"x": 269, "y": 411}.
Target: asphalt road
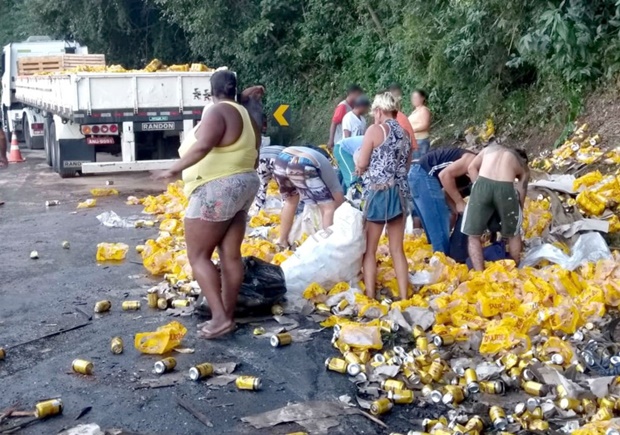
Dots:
{"x": 41, "y": 296}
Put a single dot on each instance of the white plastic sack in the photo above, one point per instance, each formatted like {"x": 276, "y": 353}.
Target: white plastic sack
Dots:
{"x": 329, "y": 256}
{"x": 589, "y": 248}
{"x": 308, "y": 222}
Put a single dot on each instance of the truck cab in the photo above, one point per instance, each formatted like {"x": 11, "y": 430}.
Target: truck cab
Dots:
{"x": 27, "y": 122}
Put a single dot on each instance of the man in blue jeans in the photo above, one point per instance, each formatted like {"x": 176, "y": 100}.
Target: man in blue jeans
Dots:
{"x": 440, "y": 170}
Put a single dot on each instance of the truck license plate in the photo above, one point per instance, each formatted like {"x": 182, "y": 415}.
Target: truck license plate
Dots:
{"x": 100, "y": 140}
{"x": 158, "y": 126}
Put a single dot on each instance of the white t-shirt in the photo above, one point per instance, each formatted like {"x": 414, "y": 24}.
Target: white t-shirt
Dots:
{"x": 356, "y": 125}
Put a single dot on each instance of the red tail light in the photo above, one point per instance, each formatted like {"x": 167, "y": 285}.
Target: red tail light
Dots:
{"x": 103, "y": 129}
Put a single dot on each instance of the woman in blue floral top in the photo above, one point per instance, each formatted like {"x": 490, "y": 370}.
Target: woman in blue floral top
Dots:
{"x": 384, "y": 160}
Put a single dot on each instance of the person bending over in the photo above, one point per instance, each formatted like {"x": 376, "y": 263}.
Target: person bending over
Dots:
{"x": 500, "y": 177}
{"x": 266, "y": 165}
{"x": 439, "y": 170}
{"x": 305, "y": 172}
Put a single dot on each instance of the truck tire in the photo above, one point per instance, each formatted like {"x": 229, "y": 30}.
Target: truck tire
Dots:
{"x": 32, "y": 143}
{"x": 47, "y": 142}
{"x": 54, "y": 148}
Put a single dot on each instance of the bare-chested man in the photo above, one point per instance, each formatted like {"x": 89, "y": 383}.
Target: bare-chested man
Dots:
{"x": 500, "y": 175}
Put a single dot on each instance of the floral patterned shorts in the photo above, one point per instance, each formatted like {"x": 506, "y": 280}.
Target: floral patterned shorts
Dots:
{"x": 220, "y": 200}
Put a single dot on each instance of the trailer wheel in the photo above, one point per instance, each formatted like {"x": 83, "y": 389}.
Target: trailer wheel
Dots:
{"x": 32, "y": 143}
{"x": 54, "y": 151}
{"x": 47, "y": 142}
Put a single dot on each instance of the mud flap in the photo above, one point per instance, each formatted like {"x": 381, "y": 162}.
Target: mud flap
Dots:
{"x": 72, "y": 153}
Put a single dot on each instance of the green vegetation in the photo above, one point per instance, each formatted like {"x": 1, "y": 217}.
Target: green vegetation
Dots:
{"x": 526, "y": 62}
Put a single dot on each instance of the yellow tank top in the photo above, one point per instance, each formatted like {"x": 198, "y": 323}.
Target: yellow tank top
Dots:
{"x": 236, "y": 158}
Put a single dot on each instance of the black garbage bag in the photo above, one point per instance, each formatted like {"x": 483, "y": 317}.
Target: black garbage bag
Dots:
{"x": 263, "y": 286}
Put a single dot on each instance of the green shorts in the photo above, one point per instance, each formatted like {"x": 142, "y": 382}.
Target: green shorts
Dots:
{"x": 490, "y": 196}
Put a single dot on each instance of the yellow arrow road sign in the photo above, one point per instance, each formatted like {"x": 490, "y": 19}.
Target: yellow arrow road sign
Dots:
{"x": 280, "y": 115}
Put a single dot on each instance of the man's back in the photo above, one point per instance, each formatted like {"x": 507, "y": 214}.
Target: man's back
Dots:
{"x": 501, "y": 164}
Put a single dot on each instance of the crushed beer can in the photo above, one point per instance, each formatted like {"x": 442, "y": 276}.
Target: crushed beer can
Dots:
{"x": 392, "y": 384}
{"x": 381, "y": 406}
{"x": 152, "y": 298}
{"x": 180, "y": 303}
{"x": 131, "y": 305}
{"x": 570, "y": 404}
{"x": 471, "y": 381}
{"x": 336, "y": 365}
{"x": 165, "y": 365}
{"x": 453, "y": 396}
{"x": 248, "y": 383}
{"x": 444, "y": 340}
{"x": 116, "y": 346}
{"x": 162, "y": 304}
{"x": 498, "y": 418}
{"x": 103, "y": 306}
{"x": 535, "y": 388}
{"x": 282, "y": 339}
{"x": 200, "y": 371}
{"x": 401, "y": 396}
{"x": 277, "y": 310}
{"x": 48, "y": 408}
{"x": 82, "y": 366}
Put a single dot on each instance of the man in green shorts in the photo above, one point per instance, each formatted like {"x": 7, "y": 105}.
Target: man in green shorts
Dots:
{"x": 500, "y": 177}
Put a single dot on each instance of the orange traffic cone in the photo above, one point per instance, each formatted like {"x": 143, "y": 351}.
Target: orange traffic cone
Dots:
{"x": 15, "y": 156}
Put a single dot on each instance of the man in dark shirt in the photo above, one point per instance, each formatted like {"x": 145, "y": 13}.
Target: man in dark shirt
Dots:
{"x": 440, "y": 170}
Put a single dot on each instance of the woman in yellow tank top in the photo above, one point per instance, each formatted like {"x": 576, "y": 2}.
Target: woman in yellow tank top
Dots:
{"x": 218, "y": 161}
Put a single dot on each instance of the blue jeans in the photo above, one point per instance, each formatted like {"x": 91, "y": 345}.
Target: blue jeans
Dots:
{"x": 430, "y": 204}
{"x": 423, "y": 147}
{"x": 346, "y": 166}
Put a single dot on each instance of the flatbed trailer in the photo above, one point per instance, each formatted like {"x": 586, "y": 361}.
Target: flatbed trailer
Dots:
{"x": 138, "y": 115}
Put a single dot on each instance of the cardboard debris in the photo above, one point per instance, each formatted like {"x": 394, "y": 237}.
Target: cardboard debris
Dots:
{"x": 316, "y": 417}
{"x": 569, "y": 230}
{"x": 84, "y": 429}
{"x": 220, "y": 381}
{"x": 560, "y": 183}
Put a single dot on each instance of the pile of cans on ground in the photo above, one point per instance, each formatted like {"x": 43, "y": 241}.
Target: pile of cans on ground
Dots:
{"x": 582, "y": 148}
{"x": 505, "y": 350}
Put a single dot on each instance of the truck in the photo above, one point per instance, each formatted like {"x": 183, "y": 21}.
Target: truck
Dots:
{"x": 96, "y": 122}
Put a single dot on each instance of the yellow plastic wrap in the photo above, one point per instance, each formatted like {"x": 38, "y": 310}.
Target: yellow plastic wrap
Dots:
{"x": 587, "y": 180}
{"x": 199, "y": 67}
{"x": 104, "y": 191}
{"x": 163, "y": 340}
{"x": 339, "y": 288}
{"x": 361, "y": 336}
{"x": 89, "y": 203}
{"x": 313, "y": 291}
{"x": 111, "y": 251}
